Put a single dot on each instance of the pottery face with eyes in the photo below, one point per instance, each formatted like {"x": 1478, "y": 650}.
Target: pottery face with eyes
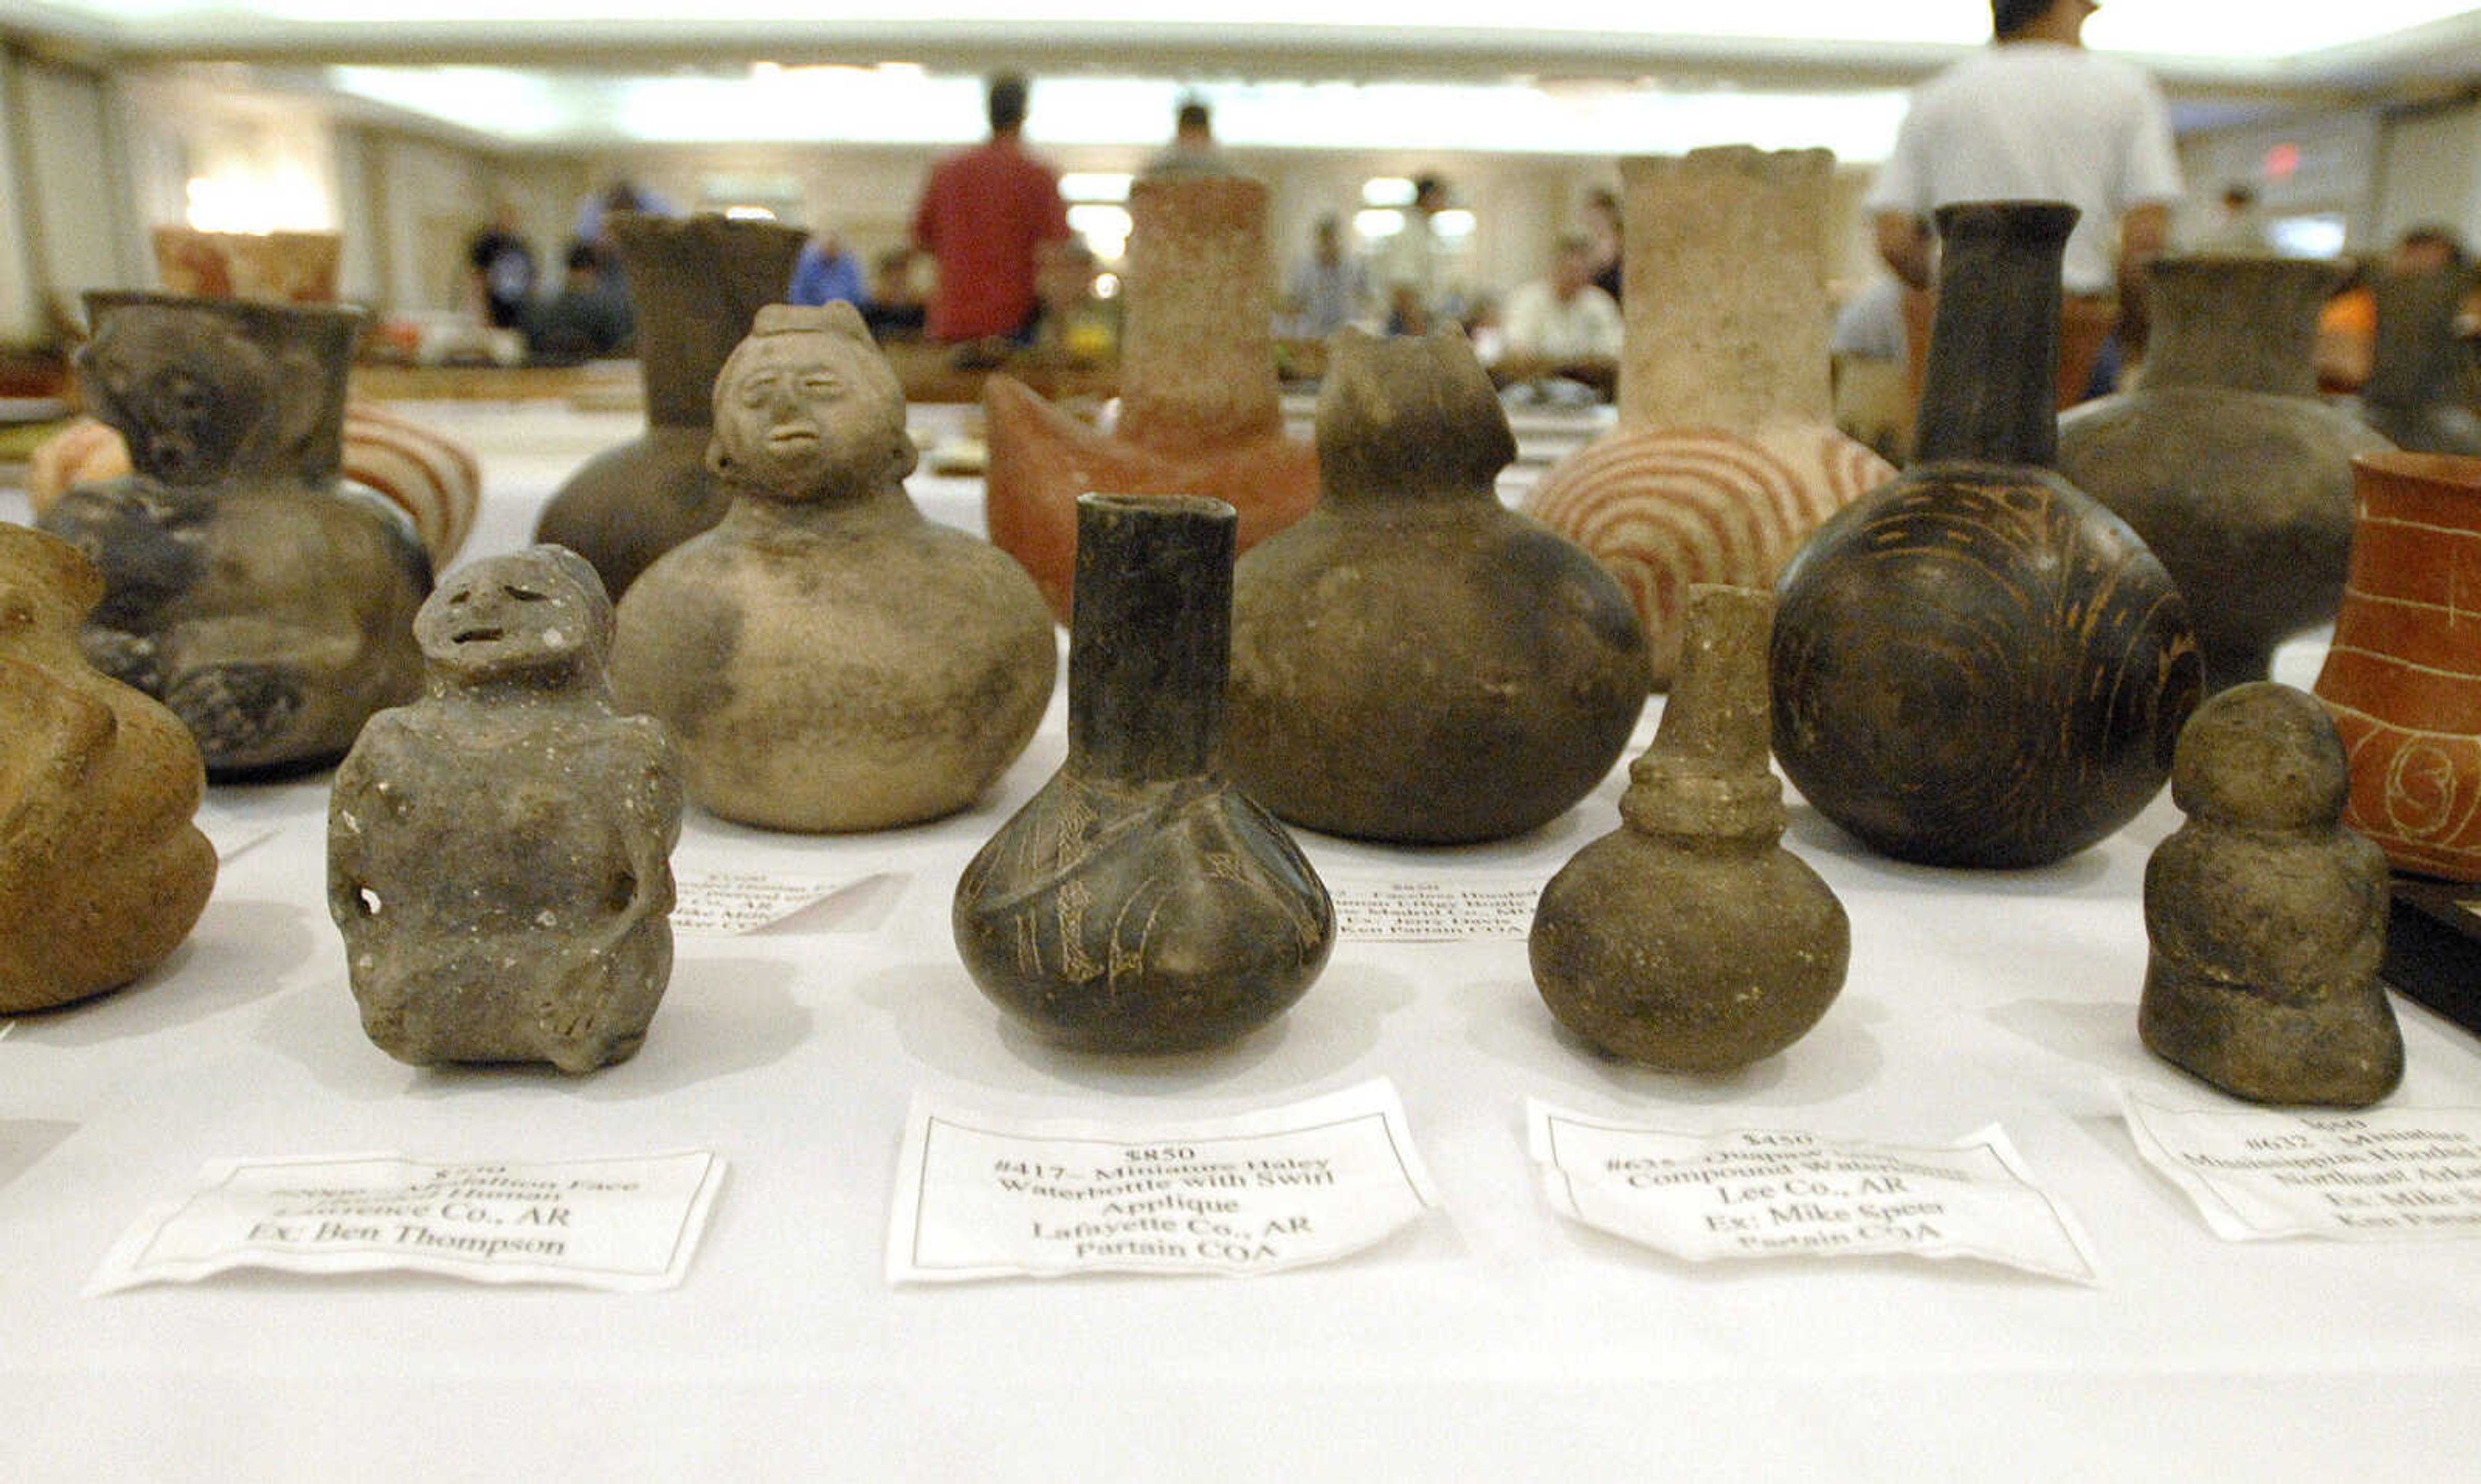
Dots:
{"x": 514, "y": 614}
{"x": 801, "y": 415}
{"x": 184, "y": 388}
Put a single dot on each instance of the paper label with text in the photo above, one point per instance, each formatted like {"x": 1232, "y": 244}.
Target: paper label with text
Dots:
{"x": 1781, "y": 1193}
{"x": 621, "y": 1224}
{"x": 2377, "y": 1175}
{"x": 719, "y": 902}
{"x": 982, "y": 1196}
{"x": 1381, "y": 909}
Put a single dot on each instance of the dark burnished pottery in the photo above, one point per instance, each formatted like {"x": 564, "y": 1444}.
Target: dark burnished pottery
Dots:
{"x": 827, "y": 658}
{"x": 101, "y": 871}
{"x": 1979, "y": 665}
{"x": 2224, "y": 461}
{"x": 1139, "y": 902}
{"x": 2419, "y": 369}
{"x": 268, "y": 605}
{"x": 2268, "y": 918}
{"x": 696, "y": 283}
{"x": 1513, "y": 692}
{"x": 1690, "y": 940}
{"x": 499, "y": 853}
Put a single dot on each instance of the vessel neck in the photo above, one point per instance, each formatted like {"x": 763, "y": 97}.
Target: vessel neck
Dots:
{"x": 2245, "y": 323}
{"x": 1197, "y": 359}
{"x": 1989, "y": 392}
{"x": 1150, "y": 640}
{"x": 1725, "y": 278}
{"x": 694, "y": 284}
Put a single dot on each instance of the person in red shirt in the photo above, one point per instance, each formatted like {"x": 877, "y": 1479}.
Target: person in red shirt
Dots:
{"x": 989, "y": 217}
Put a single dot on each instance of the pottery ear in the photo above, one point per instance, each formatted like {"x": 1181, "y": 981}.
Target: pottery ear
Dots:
{"x": 298, "y": 417}
{"x": 717, "y": 463}
{"x": 567, "y": 566}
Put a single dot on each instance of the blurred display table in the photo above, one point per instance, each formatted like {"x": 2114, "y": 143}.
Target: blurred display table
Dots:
{"x": 1491, "y": 1341}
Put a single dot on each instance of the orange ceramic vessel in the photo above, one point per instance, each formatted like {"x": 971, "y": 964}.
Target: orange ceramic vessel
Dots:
{"x": 2403, "y": 676}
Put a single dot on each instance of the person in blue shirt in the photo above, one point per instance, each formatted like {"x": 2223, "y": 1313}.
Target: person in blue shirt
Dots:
{"x": 824, "y": 273}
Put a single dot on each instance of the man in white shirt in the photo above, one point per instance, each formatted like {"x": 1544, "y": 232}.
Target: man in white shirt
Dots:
{"x": 1412, "y": 268}
{"x": 2036, "y": 117}
{"x": 1564, "y": 319}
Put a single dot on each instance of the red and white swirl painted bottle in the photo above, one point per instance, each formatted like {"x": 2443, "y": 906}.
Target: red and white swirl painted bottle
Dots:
{"x": 1726, "y": 456}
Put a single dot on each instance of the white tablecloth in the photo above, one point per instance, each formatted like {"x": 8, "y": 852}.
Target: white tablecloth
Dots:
{"x": 1492, "y": 1340}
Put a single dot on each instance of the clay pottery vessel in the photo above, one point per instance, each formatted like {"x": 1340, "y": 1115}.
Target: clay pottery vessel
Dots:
{"x": 2266, "y": 917}
{"x": 1726, "y": 456}
{"x": 1200, "y": 410}
{"x": 2418, "y": 368}
{"x": 270, "y": 607}
{"x": 284, "y": 268}
{"x": 1690, "y": 940}
{"x": 1978, "y": 664}
{"x": 1515, "y": 689}
{"x": 827, "y": 658}
{"x": 2403, "y": 674}
{"x": 2225, "y": 459}
{"x": 1141, "y": 902}
{"x": 101, "y": 871}
{"x": 696, "y": 283}
{"x": 433, "y": 479}
{"x": 499, "y": 852}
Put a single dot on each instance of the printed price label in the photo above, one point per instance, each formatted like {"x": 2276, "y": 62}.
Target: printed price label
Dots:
{"x": 981, "y": 1196}
{"x": 2379, "y": 1175}
{"x": 1776, "y": 1193}
{"x": 717, "y": 902}
{"x": 1370, "y": 909}
{"x": 621, "y": 1224}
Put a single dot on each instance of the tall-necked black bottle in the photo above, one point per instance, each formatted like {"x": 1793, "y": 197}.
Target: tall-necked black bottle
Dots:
{"x": 1141, "y": 902}
{"x": 1978, "y": 664}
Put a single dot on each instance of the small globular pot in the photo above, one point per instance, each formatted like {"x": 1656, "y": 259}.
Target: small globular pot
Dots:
{"x": 1979, "y": 665}
{"x": 1690, "y": 940}
{"x": 2225, "y": 460}
{"x": 2268, "y": 919}
{"x": 1514, "y": 693}
{"x": 2403, "y": 675}
{"x": 829, "y": 659}
{"x": 1141, "y": 902}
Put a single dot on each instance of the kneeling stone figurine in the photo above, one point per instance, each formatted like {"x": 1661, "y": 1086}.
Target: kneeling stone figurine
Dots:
{"x": 499, "y": 853}
{"x": 2267, "y": 917}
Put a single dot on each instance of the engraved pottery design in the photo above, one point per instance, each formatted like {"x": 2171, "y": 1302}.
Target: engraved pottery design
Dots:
{"x": 2402, "y": 678}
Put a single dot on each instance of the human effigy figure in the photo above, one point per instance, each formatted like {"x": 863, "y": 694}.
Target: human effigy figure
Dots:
{"x": 499, "y": 853}
{"x": 101, "y": 871}
{"x": 244, "y": 588}
{"x": 2267, "y": 917}
{"x": 830, "y": 659}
